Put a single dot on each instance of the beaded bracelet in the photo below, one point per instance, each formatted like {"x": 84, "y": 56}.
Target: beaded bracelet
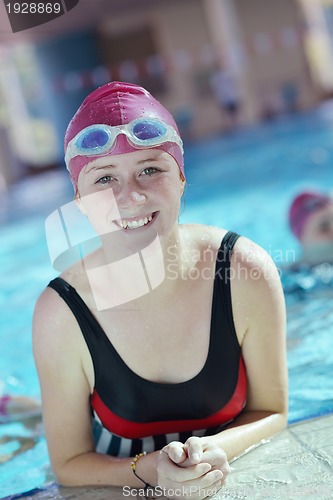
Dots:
{"x": 133, "y": 467}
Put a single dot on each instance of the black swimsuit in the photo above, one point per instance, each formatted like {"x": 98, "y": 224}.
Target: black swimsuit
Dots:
{"x": 131, "y": 413}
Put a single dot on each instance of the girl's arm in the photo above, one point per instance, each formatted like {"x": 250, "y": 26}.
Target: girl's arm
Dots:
{"x": 260, "y": 320}
{"x": 59, "y": 351}
{"x": 259, "y": 306}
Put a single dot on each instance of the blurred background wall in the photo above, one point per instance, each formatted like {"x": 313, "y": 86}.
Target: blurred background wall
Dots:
{"x": 278, "y": 56}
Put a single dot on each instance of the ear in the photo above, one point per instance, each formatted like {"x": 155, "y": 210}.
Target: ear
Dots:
{"x": 79, "y": 204}
{"x": 182, "y": 186}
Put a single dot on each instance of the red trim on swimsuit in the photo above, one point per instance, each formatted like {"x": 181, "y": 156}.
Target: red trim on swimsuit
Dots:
{"x": 131, "y": 430}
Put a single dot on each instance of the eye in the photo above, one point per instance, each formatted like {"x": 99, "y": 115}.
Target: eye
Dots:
{"x": 106, "y": 179}
{"x": 324, "y": 226}
{"x": 150, "y": 171}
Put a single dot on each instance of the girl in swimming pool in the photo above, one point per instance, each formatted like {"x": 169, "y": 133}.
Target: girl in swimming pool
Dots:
{"x": 161, "y": 356}
{"x": 311, "y": 221}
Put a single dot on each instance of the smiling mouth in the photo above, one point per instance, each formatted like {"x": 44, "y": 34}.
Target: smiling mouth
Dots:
{"x": 135, "y": 223}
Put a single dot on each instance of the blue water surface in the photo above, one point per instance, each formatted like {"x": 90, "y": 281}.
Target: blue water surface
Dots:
{"x": 243, "y": 182}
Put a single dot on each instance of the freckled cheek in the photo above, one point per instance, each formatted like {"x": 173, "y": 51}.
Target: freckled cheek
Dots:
{"x": 169, "y": 188}
{"x": 101, "y": 209}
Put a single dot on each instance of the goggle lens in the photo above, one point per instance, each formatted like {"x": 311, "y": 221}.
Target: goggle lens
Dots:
{"x": 312, "y": 205}
{"x": 94, "y": 139}
{"x": 145, "y": 130}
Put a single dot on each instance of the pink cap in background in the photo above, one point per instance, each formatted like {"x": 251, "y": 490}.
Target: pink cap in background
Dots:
{"x": 303, "y": 206}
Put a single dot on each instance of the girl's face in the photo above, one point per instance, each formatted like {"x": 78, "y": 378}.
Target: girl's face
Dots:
{"x": 319, "y": 227}
{"x": 136, "y": 193}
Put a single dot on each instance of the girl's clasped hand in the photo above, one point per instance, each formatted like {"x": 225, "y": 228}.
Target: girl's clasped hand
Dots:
{"x": 196, "y": 469}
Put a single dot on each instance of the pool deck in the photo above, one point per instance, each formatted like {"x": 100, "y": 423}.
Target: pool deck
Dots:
{"x": 297, "y": 463}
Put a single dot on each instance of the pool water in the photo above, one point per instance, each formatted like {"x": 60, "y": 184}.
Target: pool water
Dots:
{"x": 243, "y": 182}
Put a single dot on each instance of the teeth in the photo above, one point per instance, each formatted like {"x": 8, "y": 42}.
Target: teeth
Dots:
{"x": 135, "y": 223}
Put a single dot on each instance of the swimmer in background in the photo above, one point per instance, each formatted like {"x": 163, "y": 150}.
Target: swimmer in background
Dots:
{"x": 311, "y": 221}
{"x": 20, "y": 409}
{"x": 17, "y": 408}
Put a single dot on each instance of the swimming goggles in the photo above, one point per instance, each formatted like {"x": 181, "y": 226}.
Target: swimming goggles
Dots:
{"x": 100, "y": 139}
{"x": 315, "y": 204}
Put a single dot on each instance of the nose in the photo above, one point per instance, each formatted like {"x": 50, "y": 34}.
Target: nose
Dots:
{"x": 130, "y": 198}
{"x": 137, "y": 197}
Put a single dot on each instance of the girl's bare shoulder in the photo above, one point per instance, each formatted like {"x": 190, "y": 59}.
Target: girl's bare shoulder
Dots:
{"x": 202, "y": 236}
{"x": 246, "y": 252}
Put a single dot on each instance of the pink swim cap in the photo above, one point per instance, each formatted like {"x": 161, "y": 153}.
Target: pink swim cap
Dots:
{"x": 302, "y": 207}
{"x": 118, "y": 103}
